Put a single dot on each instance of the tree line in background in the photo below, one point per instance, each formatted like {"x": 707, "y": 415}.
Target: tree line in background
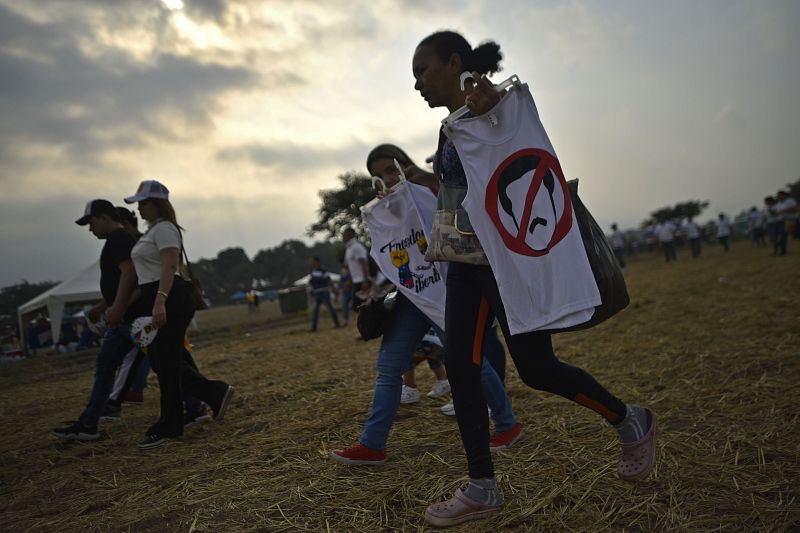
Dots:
{"x": 13, "y": 296}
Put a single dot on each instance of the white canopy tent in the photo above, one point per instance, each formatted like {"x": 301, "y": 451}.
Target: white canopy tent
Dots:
{"x": 83, "y": 288}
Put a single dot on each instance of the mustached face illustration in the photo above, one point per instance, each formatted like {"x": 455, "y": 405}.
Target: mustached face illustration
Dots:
{"x": 401, "y": 260}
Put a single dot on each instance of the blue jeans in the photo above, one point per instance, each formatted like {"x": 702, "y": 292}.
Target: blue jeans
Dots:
{"x": 400, "y": 339}
{"x": 347, "y": 298}
{"x": 322, "y": 298}
{"x": 116, "y": 345}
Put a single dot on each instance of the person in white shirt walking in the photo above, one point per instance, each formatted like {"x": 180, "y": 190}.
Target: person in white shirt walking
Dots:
{"x": 724, "y": 231}
{"x": 665, "y": 231}
{"x": 693, "y": 234}
{"x": 756, "y": 227}
{"x": 786, "y": 209}
{"x": 165, "y": 296}
{"x": 356, "y": 259}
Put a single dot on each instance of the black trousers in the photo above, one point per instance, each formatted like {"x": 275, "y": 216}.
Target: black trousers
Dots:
{"x": 175, "y": 373}
{"x": 695, "y": 245}
{"x": 473, "y": 301}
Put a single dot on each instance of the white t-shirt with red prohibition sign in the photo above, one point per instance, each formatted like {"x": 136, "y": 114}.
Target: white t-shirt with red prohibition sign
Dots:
{"x": 520, "y": 208}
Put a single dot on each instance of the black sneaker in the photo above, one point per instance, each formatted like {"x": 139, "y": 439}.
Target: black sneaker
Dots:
{"x": 153, "y": 441}
{"x": 196, "y": 418}
{"x": 111, "y": 413}
{"x": 221, "y": 407}
{"x": 77, "y": 431}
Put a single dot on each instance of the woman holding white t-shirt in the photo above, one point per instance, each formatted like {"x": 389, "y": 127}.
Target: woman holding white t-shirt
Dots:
{"x": 473, "y": 301}
{"x": 164, "y": 295}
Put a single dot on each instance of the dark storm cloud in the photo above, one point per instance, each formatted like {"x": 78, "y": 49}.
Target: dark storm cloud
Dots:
{"x": 206, "y": 9}
{"x": 54, "y": 93}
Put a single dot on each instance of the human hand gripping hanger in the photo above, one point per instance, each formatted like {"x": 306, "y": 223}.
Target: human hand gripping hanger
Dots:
{"x": 511, "y": 82}
{"x": 384, "y": 191}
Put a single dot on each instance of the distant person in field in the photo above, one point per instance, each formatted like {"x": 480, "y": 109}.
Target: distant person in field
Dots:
{"x": 320, "y": 287}
{"x": 117, "y": 283}
{"x": 773, "y": 222}
{"x": 345, "y": 292}
{"x": 724, "y": 231}
{"x": 665, "y": 232}
{"x": 618, "y": 244}
{"x": 756, "y": 227}
{"x": 251, "y": 302}
{"x": 786, "y": 208}
{"x": 165, "y": 296}
{"x": 693, "y": 234}
{"x": 357, "y": 260}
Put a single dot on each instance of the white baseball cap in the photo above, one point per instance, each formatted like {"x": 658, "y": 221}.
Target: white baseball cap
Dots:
{"x": 149, "y": 189}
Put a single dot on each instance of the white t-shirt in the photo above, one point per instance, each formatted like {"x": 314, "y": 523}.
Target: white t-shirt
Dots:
{"x": 520, "y": 208}
{"x": 665, "y": 231}
{"x": 756, "y": 219}
{"x": 617, "y": 240}
{"x": 785, "y": 209}
{"x": 146, "y": 254}
{"x": 692, "y": 231}
{"x": 724, "y": 227}
{"x": 354, "y": 252}
{"x": 399, "y": 225}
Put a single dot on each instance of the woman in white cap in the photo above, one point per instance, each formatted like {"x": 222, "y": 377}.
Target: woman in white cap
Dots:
{"x": 164, "y": 294}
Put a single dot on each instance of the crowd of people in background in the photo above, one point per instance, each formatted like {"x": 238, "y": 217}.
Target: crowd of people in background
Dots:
{"x": 772, "y": 225}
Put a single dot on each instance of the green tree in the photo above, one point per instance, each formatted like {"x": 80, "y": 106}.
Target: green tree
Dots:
{"x": 341, "y": 207}
{"x": 794, "y": 189}
{"x": 13, "y": 296}
{"x": 681, "y": 210}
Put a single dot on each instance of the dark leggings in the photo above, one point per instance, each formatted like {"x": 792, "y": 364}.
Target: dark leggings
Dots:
{"x": 176, "y": 375}
{"x": 473, "y": 301}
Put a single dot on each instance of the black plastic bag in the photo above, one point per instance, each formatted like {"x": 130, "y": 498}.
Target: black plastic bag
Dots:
{"x": 605, "y": 267}
{"x": 375, "y": 315}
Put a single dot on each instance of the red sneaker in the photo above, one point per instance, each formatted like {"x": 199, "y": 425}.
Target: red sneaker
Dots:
{"x": 134, "y": 397}
{"x": 359, "y": 454}
{"x": 500, "y": 440}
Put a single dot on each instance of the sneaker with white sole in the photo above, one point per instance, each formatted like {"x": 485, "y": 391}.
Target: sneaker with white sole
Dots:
{"x": 439, "y": 389}
{"x": 409, "y": 395}
{"x": 154, "y": 440}
{"x": 195, "y": 418}
{"x": 77, "y": 431}
{"x": 358, "y": 454}
{"x": 111, "y": 413}
{"x": 502, "y": 440}
{"x": 448, "y": 409}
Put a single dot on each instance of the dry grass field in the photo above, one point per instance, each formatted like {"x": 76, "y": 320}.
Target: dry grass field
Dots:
{"x": 712, "y": 345}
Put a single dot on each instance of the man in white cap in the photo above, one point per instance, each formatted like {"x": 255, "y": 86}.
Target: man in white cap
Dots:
{"x": 117, "y": 282}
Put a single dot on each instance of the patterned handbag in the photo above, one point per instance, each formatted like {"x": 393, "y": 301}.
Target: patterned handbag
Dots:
{"x": 452, "y": 237}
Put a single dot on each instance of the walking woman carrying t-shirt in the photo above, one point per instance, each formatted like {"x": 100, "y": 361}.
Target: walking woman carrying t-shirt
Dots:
{"x": 473, "y": 301}
{"x": 156, "y": 258}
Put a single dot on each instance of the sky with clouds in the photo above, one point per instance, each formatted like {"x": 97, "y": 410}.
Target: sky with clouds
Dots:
{"x": 245, "y": 110}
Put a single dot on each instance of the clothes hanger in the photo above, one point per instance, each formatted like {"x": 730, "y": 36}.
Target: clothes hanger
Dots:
{"x": 376, "y": 180}
{"x": 511, "y": 81}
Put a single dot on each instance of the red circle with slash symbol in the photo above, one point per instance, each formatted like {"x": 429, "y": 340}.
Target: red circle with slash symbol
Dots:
{"x": 541, "y": 163}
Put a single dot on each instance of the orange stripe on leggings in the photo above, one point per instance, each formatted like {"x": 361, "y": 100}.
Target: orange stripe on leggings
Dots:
{"x": 598, "y": 407}
{"x": 480, "y": 330}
